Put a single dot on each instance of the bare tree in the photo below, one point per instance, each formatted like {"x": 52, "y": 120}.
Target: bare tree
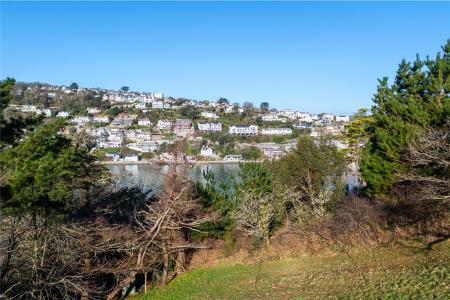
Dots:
{"x": 255, "y": 214}
{"x": 98, "y": 250}
{"x": 429, "y": 155}
{"x": 168, "y": 222}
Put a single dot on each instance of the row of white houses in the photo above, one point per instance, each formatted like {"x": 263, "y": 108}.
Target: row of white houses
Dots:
{"x": 206, "y": 127}
{"x": 253, "y": 130}
{"x": 243, "y": 129}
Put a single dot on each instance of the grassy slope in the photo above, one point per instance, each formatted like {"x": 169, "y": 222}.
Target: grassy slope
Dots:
{"x": 400, "y": 272}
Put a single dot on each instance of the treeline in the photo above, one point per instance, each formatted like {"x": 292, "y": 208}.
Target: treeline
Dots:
{"x": 75, "y": 102}
{"x": 66, "y": 233}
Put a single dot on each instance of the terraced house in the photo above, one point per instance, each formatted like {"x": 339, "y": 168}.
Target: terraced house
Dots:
{"x": 207, "y": 127}
{"x": 243, "y": 130}
{"x": 276, "y": 131}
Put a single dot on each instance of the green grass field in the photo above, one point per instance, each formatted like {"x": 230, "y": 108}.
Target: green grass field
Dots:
{"x": 394, "y": 272}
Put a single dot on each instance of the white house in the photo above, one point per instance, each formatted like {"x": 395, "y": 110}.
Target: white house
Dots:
{"x": 141, "y": 105}
{"x": 209, "y": 115}
{"x": 98, "y": 132}
{"x": 28, "y": 108}
{"x": 47, "y": 112}
{"x": 164, "y": 124}
{"x": 144, "y": 122}
{"x": 269, "y": 118}
{"x": 206, "y": 127}
{"x": 303, "y": 125}
{"x": 232, "y": 158}
{"x": 304, "y": 117}
{"x": 132, "y": 157}
{"x": 343, "y": 119}
{"x": 243, "y": 130}
{"x": 146, "y": 136}
{"x": 290, "y": 113}
{"x": 110, "y": 144}
{"x": 93, "y": 110}
{"x": 62, "y": 114}
{"x": 206, "y": 151}
{"x": 276, "y": 131}
{"x": 158, "y": 95}
{"x": 203, "y": 126}
{"x": 216, "y": 127}
{"x": 157, "y": 104}
{"x": 100, "y": 119}
{"x": 81, "y": 120}
{"x": 116, "y": 133}
{"x": 326, "y": 118}
{"x": 146, "y": 146}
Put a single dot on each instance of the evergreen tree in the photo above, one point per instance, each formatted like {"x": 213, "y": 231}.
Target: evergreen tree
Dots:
{"x": 11, "y": 129}
{"x": 264, "y": 106}
{"x": 46, "y": 173}
{"x": 73, "y": 86}
{"x": 418, "y": 98}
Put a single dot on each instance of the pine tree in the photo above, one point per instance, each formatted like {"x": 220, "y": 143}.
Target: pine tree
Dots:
{"x": 418, "y": 98}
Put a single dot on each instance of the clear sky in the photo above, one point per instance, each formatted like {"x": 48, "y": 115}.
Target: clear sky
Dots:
{"x": 317, "y": 57}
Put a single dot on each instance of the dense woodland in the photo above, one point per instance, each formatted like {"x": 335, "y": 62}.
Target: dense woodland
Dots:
{"x": 66, "y": 234}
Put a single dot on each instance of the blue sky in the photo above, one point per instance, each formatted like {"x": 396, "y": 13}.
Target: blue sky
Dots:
{"x": 317, "y": 57}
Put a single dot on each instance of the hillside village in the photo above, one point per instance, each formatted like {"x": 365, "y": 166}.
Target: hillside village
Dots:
{"x": 131, "y": 126}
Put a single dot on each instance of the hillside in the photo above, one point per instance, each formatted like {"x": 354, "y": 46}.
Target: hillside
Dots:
{"x": 402, "y": 271}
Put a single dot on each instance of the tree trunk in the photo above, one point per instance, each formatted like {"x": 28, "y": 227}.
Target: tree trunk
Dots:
{"x": 165, "y": 265}
{"x": 130, "y": 278}
{"x": 181, "y": 262}
{"x": 145, "y": 282}
{"x": 121, "y": 285}
{"x": 87, "y": 270}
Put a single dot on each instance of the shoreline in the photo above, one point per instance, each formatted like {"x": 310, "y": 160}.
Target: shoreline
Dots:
{"x": 158, "y": 163}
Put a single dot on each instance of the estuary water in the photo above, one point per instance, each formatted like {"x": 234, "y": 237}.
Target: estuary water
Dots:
{"x": 151, "y": 177}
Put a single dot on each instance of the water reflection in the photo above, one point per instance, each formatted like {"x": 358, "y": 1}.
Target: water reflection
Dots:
{"x": 147, "y": 176}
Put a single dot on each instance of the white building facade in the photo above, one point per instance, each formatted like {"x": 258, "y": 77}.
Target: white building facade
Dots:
{"x": 276, "y": 131}
{"x": 243, "y": 130}
{"x": 207, "y": 127}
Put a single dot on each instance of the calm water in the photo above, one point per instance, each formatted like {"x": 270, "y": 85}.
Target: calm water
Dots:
{"x": 147, "y": 176}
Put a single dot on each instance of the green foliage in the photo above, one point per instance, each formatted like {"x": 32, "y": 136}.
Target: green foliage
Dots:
{"x": 11, "y": 129}
{"x": 190, "y": 112}
{"x": 73, "y": 86}
{"x": 114, "y": 111}
{"x": 356, "y": 134}
{"x": 255, "y": 177}
{"x": 46, "y": 173}
{"x": 311, "y": 175}
{"x": 319, "y": 159}
{"x": 264, "y": 106}
{"x": 418, "y": 98}
{"x": 251, "y": 153}
{"x": 258, "y": 203}
{"x": 222, "y": 101}
{"x": 216, "y": 195}
{"x": 5, "y": 98}
{"x": 5, "y": 94}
